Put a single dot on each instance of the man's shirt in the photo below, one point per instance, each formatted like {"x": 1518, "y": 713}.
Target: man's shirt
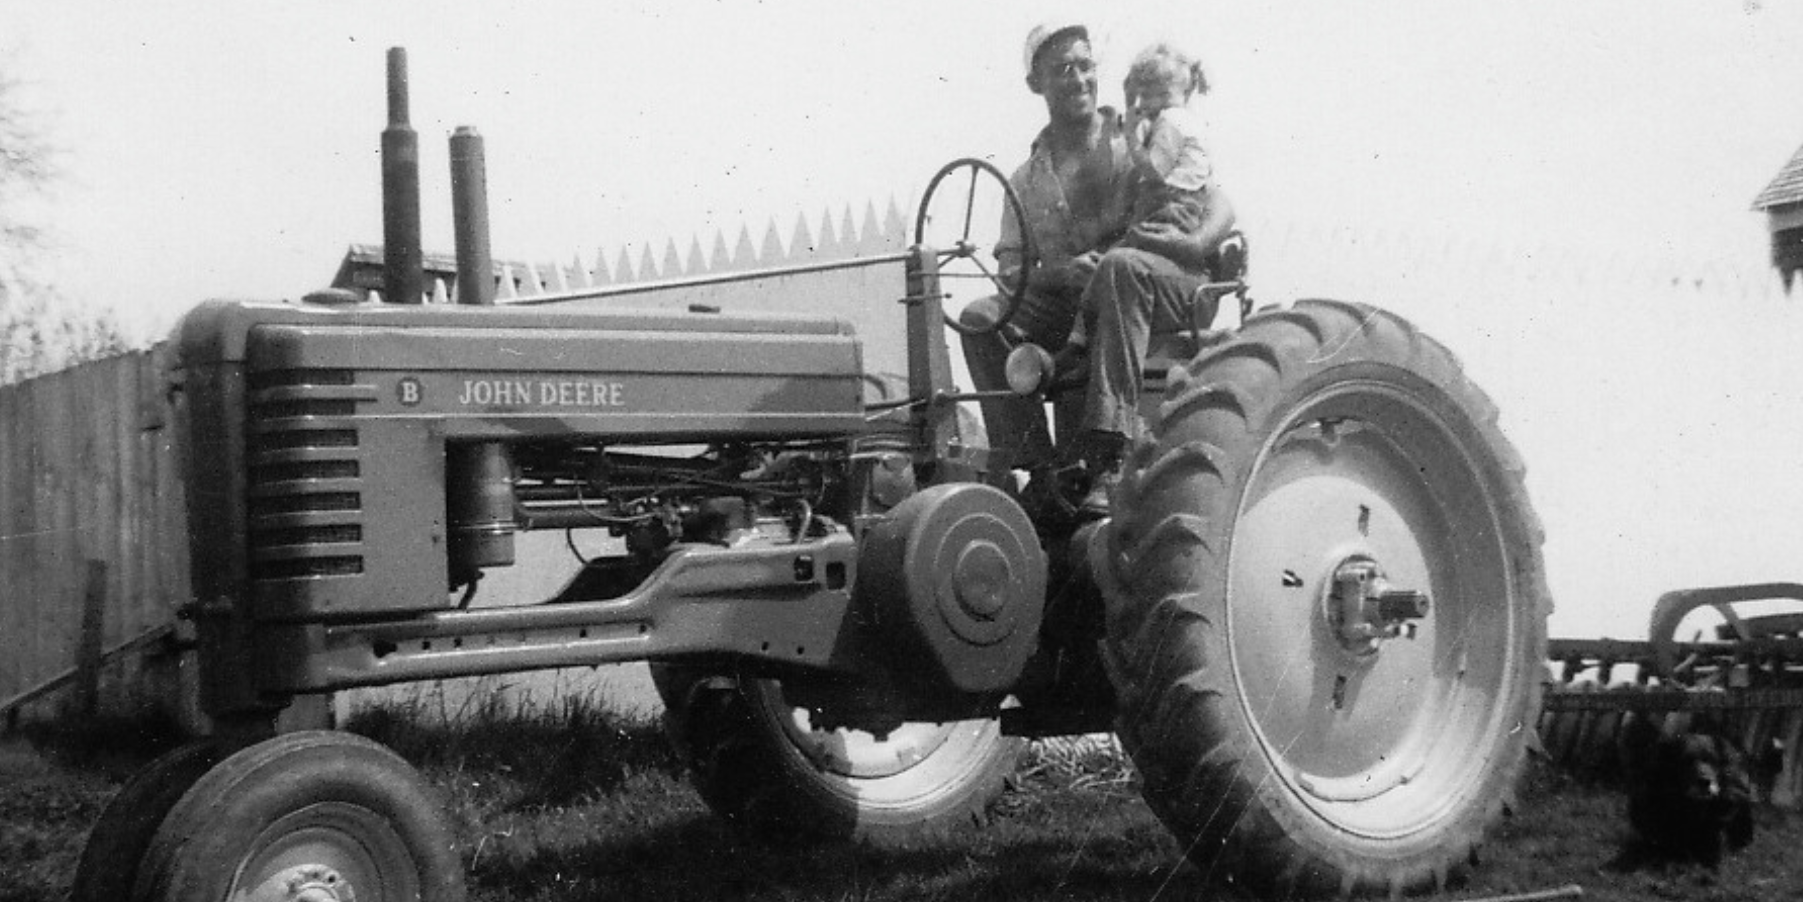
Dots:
{"x": 1068, "y": 218}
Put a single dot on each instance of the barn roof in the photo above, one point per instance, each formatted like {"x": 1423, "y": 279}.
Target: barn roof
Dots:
{"x": 1786, "y": 187}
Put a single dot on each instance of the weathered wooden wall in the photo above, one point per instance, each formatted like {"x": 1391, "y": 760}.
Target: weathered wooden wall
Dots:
{"x": 92, "y": 559}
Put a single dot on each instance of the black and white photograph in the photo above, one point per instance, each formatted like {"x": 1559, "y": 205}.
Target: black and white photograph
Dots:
{"x": 796, "y": 450}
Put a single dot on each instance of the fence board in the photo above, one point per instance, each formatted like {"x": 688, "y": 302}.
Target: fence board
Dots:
{"x": 127, "y": 572}
{"x": 152, "y": 430}
{"x": 96, "y": 516}
{"x": 12, "y": 540}
{"x": 36, "y": 530}
{"x": 45, "y": 532}
{"x": 60, "y": 597}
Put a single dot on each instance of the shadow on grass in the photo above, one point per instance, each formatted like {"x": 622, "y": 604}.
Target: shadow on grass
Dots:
{"x": 113, "y": 746}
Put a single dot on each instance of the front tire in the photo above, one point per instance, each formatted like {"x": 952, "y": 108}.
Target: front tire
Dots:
{"x": 757, "y": 762}
{"x": 314, "y": 815}
{"x": 1300, "y": 746}
{"x": 109, "y": 860}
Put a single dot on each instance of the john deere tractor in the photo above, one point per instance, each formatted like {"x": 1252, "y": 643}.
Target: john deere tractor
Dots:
{"x": 1316, "y": 616}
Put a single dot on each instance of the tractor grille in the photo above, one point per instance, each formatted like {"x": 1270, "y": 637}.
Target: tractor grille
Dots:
{"x": 306, "y": 490}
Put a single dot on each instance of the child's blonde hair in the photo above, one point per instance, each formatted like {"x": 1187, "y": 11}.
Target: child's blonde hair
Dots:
{"x": 1153, "y": 63}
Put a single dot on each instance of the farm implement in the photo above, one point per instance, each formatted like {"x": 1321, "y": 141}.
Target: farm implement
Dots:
{"x": 1741, "y": 669}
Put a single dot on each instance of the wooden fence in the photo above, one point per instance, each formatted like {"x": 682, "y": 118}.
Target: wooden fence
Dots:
{"x": 93, "y": 559}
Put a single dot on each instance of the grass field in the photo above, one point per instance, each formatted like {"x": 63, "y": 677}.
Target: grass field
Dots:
{"x": 568, "y": 802}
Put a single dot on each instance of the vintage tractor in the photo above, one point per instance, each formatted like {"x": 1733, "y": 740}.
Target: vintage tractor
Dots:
{"x": 1316, "y": 617}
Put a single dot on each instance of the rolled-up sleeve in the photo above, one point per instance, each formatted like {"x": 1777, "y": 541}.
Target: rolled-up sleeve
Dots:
{"x": 1010, "y": 248}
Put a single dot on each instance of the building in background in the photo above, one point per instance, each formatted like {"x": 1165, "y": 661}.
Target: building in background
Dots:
{"x": 1782, "y": 201}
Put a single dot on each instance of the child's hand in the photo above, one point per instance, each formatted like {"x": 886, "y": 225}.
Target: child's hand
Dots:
{"x": 1155, "y": 232}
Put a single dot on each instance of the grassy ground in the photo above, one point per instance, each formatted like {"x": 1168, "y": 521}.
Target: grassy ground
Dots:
{"x": 570, "y": 803}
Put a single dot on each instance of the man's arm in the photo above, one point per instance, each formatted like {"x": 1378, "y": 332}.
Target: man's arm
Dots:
{"x": 1190, "y": 250}
{"x": 1064, "y": 275}
{"x": 1010, "y": 246}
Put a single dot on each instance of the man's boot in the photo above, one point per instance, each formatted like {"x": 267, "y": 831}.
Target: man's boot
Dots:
{"x": 1102, "y": 454}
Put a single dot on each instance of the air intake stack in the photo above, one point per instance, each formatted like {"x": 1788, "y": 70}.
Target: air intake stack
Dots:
{"x": 479, "y": 475}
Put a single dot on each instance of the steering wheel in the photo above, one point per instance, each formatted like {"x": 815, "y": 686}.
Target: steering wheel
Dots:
{"x": 949, "y": 222}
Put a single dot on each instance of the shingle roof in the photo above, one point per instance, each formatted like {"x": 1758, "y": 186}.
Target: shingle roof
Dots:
{"x": 362, "y": 267}
{"x": 1786, "y": 187}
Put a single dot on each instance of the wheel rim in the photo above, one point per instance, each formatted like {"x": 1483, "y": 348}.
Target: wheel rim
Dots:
{"x": 910, "y": 766}
{"x": 1380, "y": 738}
{"x": 327, "y": 852}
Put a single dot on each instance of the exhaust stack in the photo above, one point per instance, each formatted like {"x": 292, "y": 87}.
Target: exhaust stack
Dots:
{"x": 403, "y": 274}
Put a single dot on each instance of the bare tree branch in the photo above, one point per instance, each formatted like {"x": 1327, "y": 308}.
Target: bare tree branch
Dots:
{"x": 40, "y": 330}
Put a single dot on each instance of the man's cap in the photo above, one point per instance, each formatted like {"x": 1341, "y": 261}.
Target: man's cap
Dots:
{"x": 1043, "y": 33}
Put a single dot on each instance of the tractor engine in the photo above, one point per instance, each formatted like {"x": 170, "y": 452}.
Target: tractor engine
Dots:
{"x": 654, "y": 499}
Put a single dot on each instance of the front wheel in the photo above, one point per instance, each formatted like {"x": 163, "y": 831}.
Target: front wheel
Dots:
{"x": 1327, "y": 606}
{"x": 758, "y": 761}
{"x": 109, "y": 861}
{"x": 312, "y": 815}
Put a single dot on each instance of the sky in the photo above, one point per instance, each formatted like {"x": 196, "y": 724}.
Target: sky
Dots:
{"x": 232, "y": 150}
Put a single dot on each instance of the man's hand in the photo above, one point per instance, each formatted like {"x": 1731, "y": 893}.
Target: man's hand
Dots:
{"x": 1070, "y": 275}
{"x": 1161, "y": 238}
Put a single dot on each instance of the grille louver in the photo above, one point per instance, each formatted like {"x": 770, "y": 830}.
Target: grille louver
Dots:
{"x": 306, "y": 492}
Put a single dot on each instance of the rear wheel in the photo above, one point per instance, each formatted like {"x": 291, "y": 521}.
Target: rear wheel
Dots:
{"x": 1327, "y": 606}
{"x": 758, "y": 761}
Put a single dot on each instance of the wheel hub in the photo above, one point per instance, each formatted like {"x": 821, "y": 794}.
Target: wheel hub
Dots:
{"x": 1365, "y": 610}
{"x": 304, "y": 883}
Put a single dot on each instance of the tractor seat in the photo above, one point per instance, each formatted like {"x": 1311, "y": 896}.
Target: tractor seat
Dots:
{"x": 1227, "y": 272}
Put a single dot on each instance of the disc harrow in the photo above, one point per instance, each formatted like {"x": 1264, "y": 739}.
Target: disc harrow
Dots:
{"x": 1741, "y": 670}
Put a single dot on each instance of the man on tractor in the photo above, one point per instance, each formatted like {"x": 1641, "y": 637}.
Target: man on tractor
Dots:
{"x": 1077, "y": 187}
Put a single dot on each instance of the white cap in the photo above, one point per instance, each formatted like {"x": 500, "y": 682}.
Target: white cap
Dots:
{"x": 1044, "y": 32}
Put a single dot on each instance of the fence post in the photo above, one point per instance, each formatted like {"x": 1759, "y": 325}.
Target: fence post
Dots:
{"x": 89, "y": 647}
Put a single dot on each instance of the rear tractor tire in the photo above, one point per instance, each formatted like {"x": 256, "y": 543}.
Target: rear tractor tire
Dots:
{"x": 758, "y": 763}
{"x": 1327, "y": 607}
